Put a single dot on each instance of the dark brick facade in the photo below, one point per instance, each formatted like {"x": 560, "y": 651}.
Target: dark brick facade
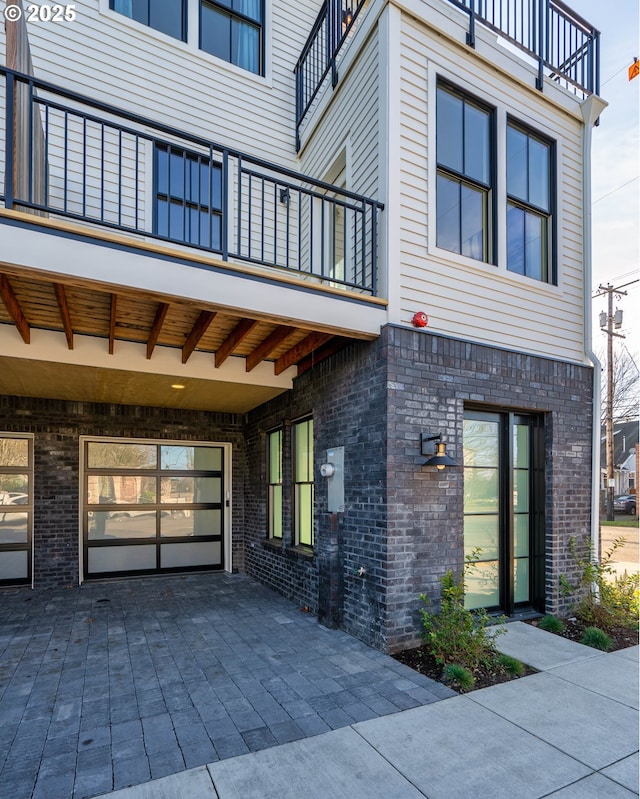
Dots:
{"x": 402, "y": 522}
{"x": 57, "y": 426}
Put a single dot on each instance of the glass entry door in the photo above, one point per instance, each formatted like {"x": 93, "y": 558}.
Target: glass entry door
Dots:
{"x": 504, "y": 510}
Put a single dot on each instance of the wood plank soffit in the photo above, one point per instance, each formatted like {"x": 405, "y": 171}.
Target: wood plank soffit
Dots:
{"x": 240, "y": 331}
{"x": 156, "y": 327}
{"x": 112, "y": 322}
{"x": 266, "y": 347}
{"x": 322, "y": 353}
{"x": 300, "y": 350}
{"x": 65, "y": 316}
{"x": 13, "y": 308}
{"x": 197, "y": 332}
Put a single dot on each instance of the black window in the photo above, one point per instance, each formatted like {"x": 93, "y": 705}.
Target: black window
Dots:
{"x": 188, "y": 197}
{"x": 529, "y": 205}
{"x": 465, "y": 174}
{"x": 234, "y": 31}
{"x": 303, "y": 489}
{"x": 274, "y": 481}
{"x": 167, "y": 16}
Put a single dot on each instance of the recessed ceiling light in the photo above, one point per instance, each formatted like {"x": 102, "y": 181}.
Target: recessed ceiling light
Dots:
{"x": 177, "y": 385}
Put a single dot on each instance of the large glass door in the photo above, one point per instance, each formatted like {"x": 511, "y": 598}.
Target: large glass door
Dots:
{"x": 504, "y": 510}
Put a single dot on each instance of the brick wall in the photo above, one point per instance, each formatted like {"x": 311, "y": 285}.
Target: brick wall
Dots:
{"x": 58, "y": 425}
{"x": 346, "y": 397}
{"x": 402, "y": 522}
{"x": 431, "y": 379}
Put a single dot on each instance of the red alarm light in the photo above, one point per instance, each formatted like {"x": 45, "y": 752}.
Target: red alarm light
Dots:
{"x": 420, "y": 319}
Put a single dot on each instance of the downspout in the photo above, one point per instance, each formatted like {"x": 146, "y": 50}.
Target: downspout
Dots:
{"x": 591, "y": 108}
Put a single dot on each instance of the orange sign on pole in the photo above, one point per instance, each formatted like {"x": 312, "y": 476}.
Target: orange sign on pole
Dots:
{"x": 634, "y": 69}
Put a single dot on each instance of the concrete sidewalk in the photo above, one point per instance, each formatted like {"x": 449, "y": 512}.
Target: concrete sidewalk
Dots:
{"x": 568, "y": 732}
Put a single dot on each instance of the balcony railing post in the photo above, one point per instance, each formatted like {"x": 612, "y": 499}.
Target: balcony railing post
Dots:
{"x": 374, "y": 249}
{"x": 332, "y": 45}
{"x": 471, "y": 35}
{"x": 542, "y": 41}
{"x": 225, "y": 204}
{"x": 9, "y": 175}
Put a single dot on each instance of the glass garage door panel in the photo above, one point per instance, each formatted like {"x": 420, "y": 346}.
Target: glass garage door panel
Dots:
{"x": 16, "y": 508}
{"x": 181, "y": 555}
{"x": 152, "y": 507}
{"x": 14, "y": 566}
{"x": 121, "y": 559}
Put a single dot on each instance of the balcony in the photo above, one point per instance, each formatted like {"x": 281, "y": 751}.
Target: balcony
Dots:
{"x": 64, "y": 156}
{"x": 564, "y": 46}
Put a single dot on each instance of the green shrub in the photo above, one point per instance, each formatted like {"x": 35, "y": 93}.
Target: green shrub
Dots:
{"x": 597, "y": 639}
{"x": 602, "y": 598}
{"x": 458, "y": 677}
{"x": 511, "y": 666}
{"x": 550, "y": 623}
{"x": 455, "y": 634}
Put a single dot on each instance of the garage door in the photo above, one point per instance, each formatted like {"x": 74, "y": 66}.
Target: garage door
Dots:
{"x": 152, "y": 507}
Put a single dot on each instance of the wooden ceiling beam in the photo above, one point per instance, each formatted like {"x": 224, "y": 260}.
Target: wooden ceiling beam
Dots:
{"x": 266, "y": 347}
{"x": 317, "y": 356}
{"x": 65, "y": 316}
{"x": 112, "y": 322}
{"x": 156, "y": 327}
{"x": 240, "y": 332}
{"x": 197, "y": 332}
{"x": 300, "y": 350}
{"x": 13, "y": 308}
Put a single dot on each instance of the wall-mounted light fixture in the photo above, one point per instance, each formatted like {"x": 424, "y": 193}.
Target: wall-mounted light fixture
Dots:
{"x": 347, "y": 18}
{"x": 432, "y": 444}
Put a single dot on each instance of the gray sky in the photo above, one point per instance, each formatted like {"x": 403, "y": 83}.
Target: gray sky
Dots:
{"x": 616, "y": 161}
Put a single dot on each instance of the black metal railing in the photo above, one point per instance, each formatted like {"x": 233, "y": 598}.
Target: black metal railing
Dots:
{"x": 561, "y": 43}
{"x": 63, "y": 154}
{"x": 564, "y": 45}
{"x": 320, "y": 55}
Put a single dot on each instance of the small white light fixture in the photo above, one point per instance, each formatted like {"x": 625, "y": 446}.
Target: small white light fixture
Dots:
{"x": 177, "y": 386}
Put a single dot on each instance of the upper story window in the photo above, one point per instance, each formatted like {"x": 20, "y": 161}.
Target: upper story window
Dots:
{"x": 233, "y": 30}
{"x": 166, "y": 16}
{"x": 188, "y": 197}
{"x": 465, "y": 174}
{"x": 529, "y": 205}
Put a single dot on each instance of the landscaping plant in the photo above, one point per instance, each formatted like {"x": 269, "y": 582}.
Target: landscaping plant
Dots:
{"x": 458, "y": 677}
{"x": 603, "y": 598}
{"x": 457, "y": 635}
{"x": 597, "y": 639}
{"x": 550, "y": 623}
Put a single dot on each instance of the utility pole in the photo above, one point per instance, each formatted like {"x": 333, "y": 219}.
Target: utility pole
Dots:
{"x": 609, "y": 320}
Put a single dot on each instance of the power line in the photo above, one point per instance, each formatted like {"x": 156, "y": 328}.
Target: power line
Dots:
{"x": 611, "y": 77}
{"x": 613, "y": 191}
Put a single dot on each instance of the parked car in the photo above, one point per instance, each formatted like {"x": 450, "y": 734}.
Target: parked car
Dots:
{"x": 625, "y": 503}
{"x": 11, "y": 498}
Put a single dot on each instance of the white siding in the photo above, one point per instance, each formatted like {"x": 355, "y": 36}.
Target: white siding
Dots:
{"x": 464, "y": 298}
{"x": 348, "y": 134}
{"x": 103, "y": 54}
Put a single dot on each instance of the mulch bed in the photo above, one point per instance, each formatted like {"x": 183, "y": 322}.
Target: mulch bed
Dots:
{"x": 421, "y": 661}
{"x": 622, "y": 637}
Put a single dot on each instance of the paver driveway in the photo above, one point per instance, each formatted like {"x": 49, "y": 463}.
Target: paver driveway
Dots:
{"x": 113, "y": 684}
